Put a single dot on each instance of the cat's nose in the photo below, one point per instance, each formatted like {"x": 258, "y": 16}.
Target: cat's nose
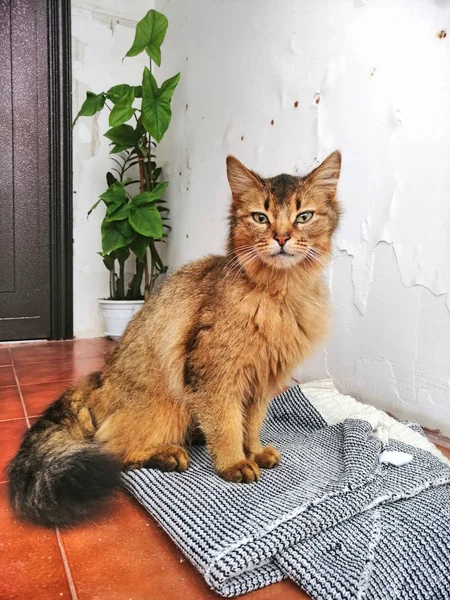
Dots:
{"x": 282, "y": 239}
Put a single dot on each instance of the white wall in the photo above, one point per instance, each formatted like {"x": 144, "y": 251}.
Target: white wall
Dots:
{"x": 102, "y": 32}
{"x": 370, "y": 78}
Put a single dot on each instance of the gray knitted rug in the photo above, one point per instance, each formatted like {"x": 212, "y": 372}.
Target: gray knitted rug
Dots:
{"x": 359, "y": 507}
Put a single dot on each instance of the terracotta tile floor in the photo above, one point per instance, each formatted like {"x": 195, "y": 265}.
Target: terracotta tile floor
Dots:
{"x": 123, "y": 554}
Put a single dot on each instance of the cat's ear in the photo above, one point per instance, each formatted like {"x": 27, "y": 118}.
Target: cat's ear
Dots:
{"x": 241, "y": 180}
{"x": 325, "y": 177}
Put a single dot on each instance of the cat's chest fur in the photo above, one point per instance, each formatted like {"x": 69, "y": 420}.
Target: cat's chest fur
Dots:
{"x": 284, "y": 329}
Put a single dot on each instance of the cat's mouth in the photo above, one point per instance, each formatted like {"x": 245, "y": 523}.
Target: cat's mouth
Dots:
{"x": 283, "y": 254}
{"x": 283, "y": 259}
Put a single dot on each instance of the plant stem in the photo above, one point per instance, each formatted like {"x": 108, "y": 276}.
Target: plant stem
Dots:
{"x": 111, "y": 284}
{"x": 121, "y": 282}
{"x": 155, "y": 255}
{"x": 146, "y": 270}
{"x": 141, "y": 173}
{"x": 137, "y": 280}
{"x": 158, "y": 266}
{"x": 142, "y": 183}
{"x": 122, "y": 169}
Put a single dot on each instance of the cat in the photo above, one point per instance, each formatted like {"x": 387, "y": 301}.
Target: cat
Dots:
{"x": 203, "y": 356}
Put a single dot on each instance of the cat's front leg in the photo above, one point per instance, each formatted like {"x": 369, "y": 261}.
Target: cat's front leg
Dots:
{"x": 265, "y": 457}
{"x": 221, "y": 421}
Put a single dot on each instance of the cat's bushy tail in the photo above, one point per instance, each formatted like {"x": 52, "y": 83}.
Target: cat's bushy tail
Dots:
{"x": 60, "y": 474}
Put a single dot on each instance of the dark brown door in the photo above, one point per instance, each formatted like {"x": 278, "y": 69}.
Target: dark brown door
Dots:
{"x": 25, "y": 170}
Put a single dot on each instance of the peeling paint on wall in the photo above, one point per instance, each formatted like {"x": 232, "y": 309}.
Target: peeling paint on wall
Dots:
{"x": 397, "y": 354}
{"x": 370, "y": 78}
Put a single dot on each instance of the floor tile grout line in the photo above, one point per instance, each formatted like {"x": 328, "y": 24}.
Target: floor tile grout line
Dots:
{"x": 22, "y": 363}
{"x": 62, "y": 550}
{"x": 20, "y": 391}
{"x": 70, "y": 581}
{"x": 13, "y": 419}
{"x": 46, "y": 382}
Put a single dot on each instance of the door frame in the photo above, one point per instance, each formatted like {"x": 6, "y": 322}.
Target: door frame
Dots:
{"x": 60, "y": 167}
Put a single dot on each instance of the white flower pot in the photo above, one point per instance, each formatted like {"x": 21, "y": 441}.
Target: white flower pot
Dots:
{"x": 117, "y": 314}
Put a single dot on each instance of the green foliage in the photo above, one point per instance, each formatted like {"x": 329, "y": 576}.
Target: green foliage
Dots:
{"x": 118, "y": 91}
{"x": 113, "y": 238}
{"x": 92, "y": 105}
{"x": 139, "y": 114}
{"x": 153, "y": 196}
{"x": 156, "y": 111}
{"x": 123, "y": 109}
{"x": 115, "y": 194}
{"x": 123, "y": 136}
{"x": 146, "y": 220}
{"x": 140, "y": 246}
{"x": 150, "y": 34}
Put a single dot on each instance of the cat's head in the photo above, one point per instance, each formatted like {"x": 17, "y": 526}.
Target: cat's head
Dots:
{"x": 285, "y": 220}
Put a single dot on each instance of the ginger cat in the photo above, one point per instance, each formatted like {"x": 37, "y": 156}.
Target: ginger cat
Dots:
{"x": 204, "y": 356}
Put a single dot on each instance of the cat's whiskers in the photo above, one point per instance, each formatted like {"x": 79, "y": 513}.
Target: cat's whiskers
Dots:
{"x": 248, "y": 261}
{"x": 239, "y": 260}
{"x": 235, "y": 255}
{"x": 317, "y": 256}
{"x": 319, "y": 252}
{"x": 315, "y": 259}
{"x": 313, "y": 262}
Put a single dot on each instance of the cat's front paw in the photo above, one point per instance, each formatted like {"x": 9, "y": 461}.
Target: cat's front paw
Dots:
{"x": 268, "y": 458}
{"x": 244, "y": 471}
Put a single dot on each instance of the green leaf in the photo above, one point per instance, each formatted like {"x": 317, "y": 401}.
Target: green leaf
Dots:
{"x": 125, "y": 229}
{"x": 139, "y": 246}
{"x": 115, "y": 194}
{"x": 156, "y": 111}
{"x": 146, "y": 220}
{"x": 118, "y": 91}
{"x": 122, "y": 254}
{"x": 138, "y": 91}
{"x": 142, "y": 199}
{"x": 158, "y": 190}
{"x": 123, "y": 110}
{"x": 117, "y": 149}
{"x": 110, "y": 179}
{"x": 149, "y": 197}
{"x": 123, "y": 135}
{"x": 108, "y": 260}
{"x": 131, "y": 165}
{"x": 91, "y": 106}
{"x": 94, "y": 206}
{"x": 117, "y": 212}
{"x": 150, "y": 34}
{"x": 156, "y": 173}
{"x": 112, "y": 237}
{"x": 168, "y": 87}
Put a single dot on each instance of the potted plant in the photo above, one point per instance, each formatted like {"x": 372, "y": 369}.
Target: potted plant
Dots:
{"x": 134, "y": 223}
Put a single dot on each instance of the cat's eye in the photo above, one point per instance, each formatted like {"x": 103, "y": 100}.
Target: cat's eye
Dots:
{"x": 304, "y": 217}
{"x": 260, "y": 218}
